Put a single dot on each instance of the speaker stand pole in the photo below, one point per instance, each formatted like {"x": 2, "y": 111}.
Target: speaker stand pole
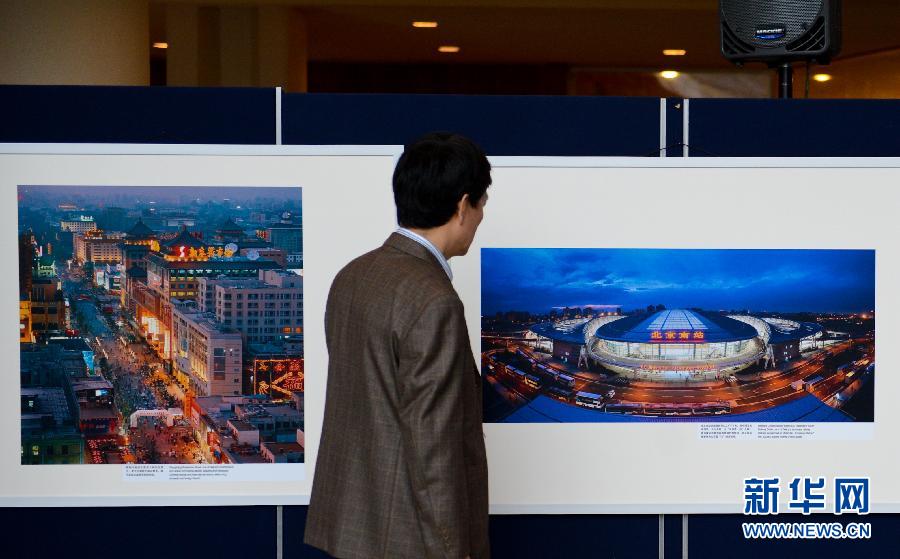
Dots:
{"x": 785, "y": 81}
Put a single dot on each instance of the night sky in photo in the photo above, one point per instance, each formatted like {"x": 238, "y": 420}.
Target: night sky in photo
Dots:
{"x": 777, "y": 280}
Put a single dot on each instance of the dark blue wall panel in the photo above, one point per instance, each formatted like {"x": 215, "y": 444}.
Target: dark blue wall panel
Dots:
{"x": 502, "y": 125}
{"x": 536, "y": 536}
{"x": 152, "y": 115}
{"x": 794, "y": 128}
{"x": 139, "y": 532}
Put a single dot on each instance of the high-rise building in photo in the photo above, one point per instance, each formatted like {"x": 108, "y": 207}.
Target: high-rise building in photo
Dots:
{"x": 79, "y": 224}
{"x": 263, "y": 310}
{"x": 206, "y": 355}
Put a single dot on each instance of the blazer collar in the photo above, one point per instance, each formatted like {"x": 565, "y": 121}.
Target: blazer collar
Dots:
{"x": 411, "y": 247}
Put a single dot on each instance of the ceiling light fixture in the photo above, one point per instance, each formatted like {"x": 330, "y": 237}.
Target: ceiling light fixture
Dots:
{"x": 674, "y": 52}
{"x": 160, "y": 45}
{"x": 669, "y": 74}
{"x": 822, "y": 77}
{"x": 425, "y": 24}
{"x": 448, "y": 48}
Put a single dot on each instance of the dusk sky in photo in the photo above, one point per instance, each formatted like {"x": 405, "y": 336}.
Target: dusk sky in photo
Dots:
{"x": 129, "y": 196}
{"x": 778, "y": 280}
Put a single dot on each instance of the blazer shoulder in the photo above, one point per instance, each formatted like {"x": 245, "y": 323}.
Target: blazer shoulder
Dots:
{"x": 392, "y": 277}
{"x": 354, "y": 269}
{"x": 421, "y": 281}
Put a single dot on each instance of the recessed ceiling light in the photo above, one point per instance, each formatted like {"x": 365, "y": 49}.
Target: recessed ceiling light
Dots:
{"x": 160, "y": 45}
{"x": 822, "y": 77}
{"x": 674, "y": 52}
{"x": 669, "y": 74}
{"x": 448, "y": 48}
{"x": 425, "y": 24}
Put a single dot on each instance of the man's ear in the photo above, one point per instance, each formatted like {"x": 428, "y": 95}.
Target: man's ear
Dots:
{"x": 461, "y": 208}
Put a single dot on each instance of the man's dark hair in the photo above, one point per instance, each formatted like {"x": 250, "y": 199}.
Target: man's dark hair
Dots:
{"x": 432, "y": 176}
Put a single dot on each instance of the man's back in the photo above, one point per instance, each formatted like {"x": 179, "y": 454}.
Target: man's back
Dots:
{"x": 401, "y": 469}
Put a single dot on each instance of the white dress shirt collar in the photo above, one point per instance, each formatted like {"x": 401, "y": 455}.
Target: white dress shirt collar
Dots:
{"x": 431, "y": 248}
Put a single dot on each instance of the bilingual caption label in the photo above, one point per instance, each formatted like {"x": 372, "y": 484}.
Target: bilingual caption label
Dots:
{"x": 178, "y": 472}
{"x": 784, "y": 431}
{"x": 214, "y": 472}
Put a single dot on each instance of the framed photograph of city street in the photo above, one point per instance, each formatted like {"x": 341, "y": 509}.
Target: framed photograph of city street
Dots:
{"x": 169, "y": 345}
{"x": 161, "y": 325}
{"x": 654, "y": 331}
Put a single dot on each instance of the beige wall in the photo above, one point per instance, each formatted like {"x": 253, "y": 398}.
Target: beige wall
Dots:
{"x": 236, "y": 46}
{"x": 873, "y": 76}
{"x": 98, "y": 42}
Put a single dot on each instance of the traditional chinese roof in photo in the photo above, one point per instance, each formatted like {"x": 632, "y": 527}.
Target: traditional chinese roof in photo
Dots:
{"x": 185, "y": 239}
{"x": 139, "y": 231}
{"x": 229, "y": 225}
{"x": 700, "y": 327}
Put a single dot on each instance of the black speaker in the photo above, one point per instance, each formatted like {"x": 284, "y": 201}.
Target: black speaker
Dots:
{"x": 779, "y": 31}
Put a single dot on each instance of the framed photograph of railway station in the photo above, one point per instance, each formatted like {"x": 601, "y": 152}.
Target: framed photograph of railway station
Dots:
{"x": 738, "y": 335}
{"x": 652, "y": 332}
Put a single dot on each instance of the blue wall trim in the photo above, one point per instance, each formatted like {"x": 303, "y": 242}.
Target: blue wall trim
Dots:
{"x": 502, "y": 125}
{"x": 794, "y": 128}
{"x": 132, "y": 115}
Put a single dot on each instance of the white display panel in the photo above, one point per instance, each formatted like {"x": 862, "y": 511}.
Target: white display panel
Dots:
{"x": 349, "y": 187}
{"x": 654, "y": 467}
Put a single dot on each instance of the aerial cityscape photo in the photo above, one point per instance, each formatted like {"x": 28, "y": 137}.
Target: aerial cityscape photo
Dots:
{"x": 684, "y": 335}
{"x": 161, "y": 325}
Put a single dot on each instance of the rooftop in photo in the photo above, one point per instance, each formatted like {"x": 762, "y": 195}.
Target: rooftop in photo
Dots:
{"x": 185, "y": 239}
{"x": 786, "y": 330}
{"x": 255, "y": 411}
{"x": 229, "y": 225}
{"x": 70, "y": 344}
{"x": 202, "y": 320}
{"x": 239, "y": 425}
{"x": 282, "y": 448}
{"x": 49, "y": 400}
{"x": 139, "y": 231}
{"x": 562, "y": 331}
{"x": 710, "y": 327}
{"x": 91, "y": 383}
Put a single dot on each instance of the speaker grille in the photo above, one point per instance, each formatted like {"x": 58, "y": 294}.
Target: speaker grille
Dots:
{"x": 814, "y": 41}
{"x": 744, "y": 17}
{"x": 732, "y": 45}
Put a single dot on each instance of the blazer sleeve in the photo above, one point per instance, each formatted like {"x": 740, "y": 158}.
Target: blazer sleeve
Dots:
{"x": 432, "y": 373}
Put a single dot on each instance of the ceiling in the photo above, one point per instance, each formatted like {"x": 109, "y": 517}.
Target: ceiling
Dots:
{"x": 614, "y": 34}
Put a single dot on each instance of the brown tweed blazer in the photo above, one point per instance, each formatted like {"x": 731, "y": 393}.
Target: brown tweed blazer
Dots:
{"x": 401, "y": 469}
